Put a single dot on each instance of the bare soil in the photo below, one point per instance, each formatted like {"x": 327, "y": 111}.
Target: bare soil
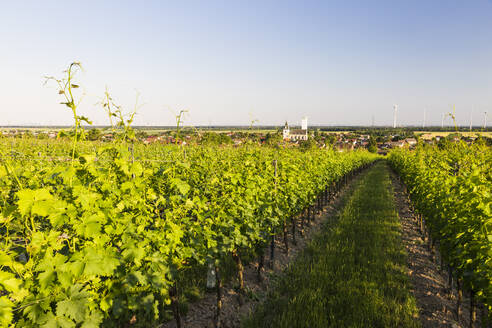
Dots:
{"x": 436, "y": 299}
{"x": 236, "y": 306}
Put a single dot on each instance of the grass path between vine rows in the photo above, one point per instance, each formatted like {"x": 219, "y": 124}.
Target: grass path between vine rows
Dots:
{"x": 353, "y": 274}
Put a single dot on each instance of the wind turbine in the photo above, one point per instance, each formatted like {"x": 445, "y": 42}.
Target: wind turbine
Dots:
{"x": 471, "y": 119}
{"x": 485, "y": 120}
{"x": 453, "y": 117}
{"x": 395, "y": 107}
{"x": 423, "y": 123}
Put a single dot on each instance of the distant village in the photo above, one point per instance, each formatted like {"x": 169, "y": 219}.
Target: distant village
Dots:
{"x": 380, "y": 141}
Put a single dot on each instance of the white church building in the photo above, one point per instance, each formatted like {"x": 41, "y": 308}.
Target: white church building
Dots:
{"x": 297, "y": 134}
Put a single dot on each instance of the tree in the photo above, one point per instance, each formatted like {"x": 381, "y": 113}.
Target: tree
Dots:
{"x": 140, "y": 134}
{"x": 273, "y": 139}
{"x": 215, "y": 138}
{"x": 308, "y": 144}
{"x": 330, "y": 139}
{"x": 94, "y": 134}
{"x": 373, "y": 145}
{"x": 317, "y": 135}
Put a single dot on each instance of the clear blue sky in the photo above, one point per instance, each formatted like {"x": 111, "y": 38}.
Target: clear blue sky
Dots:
{"x": 337, "y": 62}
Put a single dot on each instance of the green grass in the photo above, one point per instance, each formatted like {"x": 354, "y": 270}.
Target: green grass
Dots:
{"x": 352, "y": 274}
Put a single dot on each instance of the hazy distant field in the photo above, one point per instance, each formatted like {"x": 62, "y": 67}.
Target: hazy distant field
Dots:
{"x": 263, "y": 130}
{"x": 444, "y": 134}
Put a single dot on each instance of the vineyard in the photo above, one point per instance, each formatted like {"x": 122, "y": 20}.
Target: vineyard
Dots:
{"x": 246, "y": 164}
{"x": 102, "y": 235}
{"x": 451, "y": 191}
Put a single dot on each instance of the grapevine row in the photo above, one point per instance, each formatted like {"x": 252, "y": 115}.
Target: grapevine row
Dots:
{"x": 102, "y": 239}
{"x": 451, "y": 191}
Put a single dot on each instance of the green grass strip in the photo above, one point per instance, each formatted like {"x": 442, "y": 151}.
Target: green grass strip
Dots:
{"x": 352, "y": 274}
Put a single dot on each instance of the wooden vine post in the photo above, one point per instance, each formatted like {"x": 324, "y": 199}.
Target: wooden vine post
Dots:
{"x": 473, "y": 313}
{"x": 272, "y": 242}
{"x": 450, "y": 278}
{"x": 261, "y": 263}
{"x": 460, "y": 297}
{"x": 286, "y": 240}
{"x": 308, "y": 216}
{"x": 237, "y": 258}
{"x": 173, "y": 293}
{"x": 218, "y": 283}
{"x": 294, "y": 222}
{"x": 303, "y": 218}
{"x": 272, "y": 250}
